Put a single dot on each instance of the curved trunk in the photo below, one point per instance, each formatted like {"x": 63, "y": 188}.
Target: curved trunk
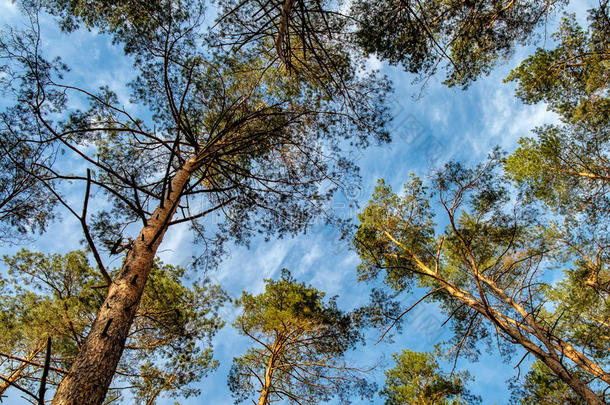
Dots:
{"x": 95, "y": 365}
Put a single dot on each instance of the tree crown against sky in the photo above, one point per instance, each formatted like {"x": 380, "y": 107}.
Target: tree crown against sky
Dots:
{"x": 565, "y": 165}
{"x": 465, "y": 38}
{"x": 487, "y": 270}
{"x": 542, "y": 387}
{"x": 57, "y": 296}
{"x": 229, "y": 132}
{"x": 300, "y": 343}
{"x": 257, "y": 102}
{"x": 416, "y": 378}
{"x": 530, "y": 239}
{"x": 265, "y": 136}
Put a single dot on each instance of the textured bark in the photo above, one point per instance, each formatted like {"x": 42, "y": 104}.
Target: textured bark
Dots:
{"x": 575, "y": 383}
{"x": 548, "y": 357}
{"x": 93, "y": 369}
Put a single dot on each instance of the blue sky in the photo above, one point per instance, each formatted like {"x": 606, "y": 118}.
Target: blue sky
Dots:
{"x": 441, "y": 125}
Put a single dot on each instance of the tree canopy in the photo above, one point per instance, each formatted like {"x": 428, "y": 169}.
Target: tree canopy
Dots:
{"x": 57, "y": 296}
{"x": 466, "y": 38}
{"x": 417, "y": 380}
{"x": 486, "y": 270}
{"x": 525, "y": 237}
{"x": 241, "y": 120}
{"x": 300, "y": 346}
{"x": 565, "y": 164}
{"x": 541, "y": 386}
{"x": 226, "y": 132}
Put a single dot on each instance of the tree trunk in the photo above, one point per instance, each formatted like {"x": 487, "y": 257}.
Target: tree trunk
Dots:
{"x": 95, "y": 365}
{"x": 263, "y": 399}
{"x": 548, "y": 358}
{"x": 573, "y": 382}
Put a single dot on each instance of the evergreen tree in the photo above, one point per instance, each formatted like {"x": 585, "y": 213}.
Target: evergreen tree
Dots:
{"x": 565, "y": 165}
{"x": 542, "y": 387}
{"x": 417, "y": 380}
{"x": 300, "y": 347}
{"x": 225, "y": 132}
{"x": 486, "y": 270}
{"x": 467, "y": 38}
{"x": 57, "y": 296}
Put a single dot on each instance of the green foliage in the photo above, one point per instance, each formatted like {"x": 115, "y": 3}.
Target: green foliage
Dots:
{"x": 25, "y": 206}
{"x": 411, "y": 214}
{"x": 301, "y": 341}
{"x": 169, "y": 346}
{"x": 584, "y": 311}
{"x": 542, "y": 387}
{"x": 311, "y": 40}
{"x": 565, "y": 165}
{"x": 255, "y": 130}
{"x": 488, "y": 270}
{"x": 465, "y": 37}
{"x": 114, "y": 17}
{"x": 572, "y": 77}
{"x": 417, "y": 380}
{"x": 397, "y": 233}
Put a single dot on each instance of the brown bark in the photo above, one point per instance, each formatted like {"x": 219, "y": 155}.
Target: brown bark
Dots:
{"x": 575, "y": 383}
{"x": 548, "y": 356}
{"x": 284, "y": 20}
{"x": 95, "y": 365}
{"x": 515, "y": 329}
{"x": 266, "y": 388}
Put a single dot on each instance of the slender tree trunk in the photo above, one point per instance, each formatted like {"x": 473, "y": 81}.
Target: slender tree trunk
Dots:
{"x": 579, "y": 386}
{"x": 263, "y": 399}
{"x": 284, "y": 19}
{"x": 551, "y": 361}
{"x": 95, "y": 365}
{"x": 574, "y": 382}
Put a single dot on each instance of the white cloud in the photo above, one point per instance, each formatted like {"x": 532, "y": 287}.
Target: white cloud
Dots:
{"x": 506, "y": 119}
{"x": 8, "y": 6}
{"x": 373, "y": 63}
